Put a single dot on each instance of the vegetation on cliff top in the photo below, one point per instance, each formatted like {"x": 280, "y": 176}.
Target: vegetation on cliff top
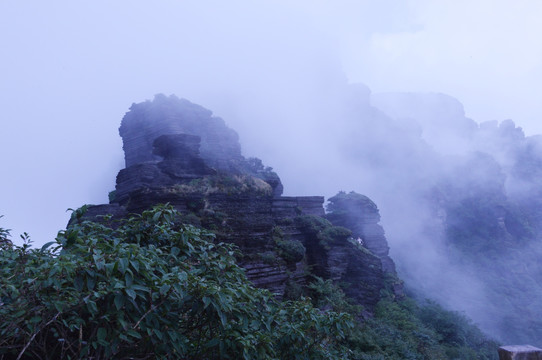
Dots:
{"x": 223, "y": 184}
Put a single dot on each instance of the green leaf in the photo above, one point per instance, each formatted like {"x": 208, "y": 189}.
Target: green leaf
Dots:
{"x": 110, "y": 268}
{"x": 119, "y": 301}
{"x": 123, "y": 265}
{"x": 20, "y": 313}
{"x": 133, "y": 333}
{"x": 158, "y": 334}
{"x": 141, "y": 288}
{"x": 131, "y": 293}
{"x": 72, "y": 236}
{"x": 164, "y": 289}
{"x": 90, "y": 283}
{"x": 212, "y": 343}
{"x": 129, "y": 279}
{"x": 135, "y": 265}
{"x": 90, "y": 272}
{"x": 92, "y": 307}
{"x": 223, "y": 319}
{"x": 35, "y": 319}
{"x": 102, "y": 335}
{"x": 58, "y": 306}
{"x": 156, "y": 216}
{"x": 47, "y": 245}
{"x": 98, "y": 260}
{"x": 175, "y": 251}
{"x": 78, "y": 283}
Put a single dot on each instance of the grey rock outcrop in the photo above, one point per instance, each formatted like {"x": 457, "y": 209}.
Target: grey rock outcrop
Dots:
{"x": 340, "y": 259}
{"x": 360, "y": 214}
{"x": 146, "y": 121}
{"x": 520, "y": 352}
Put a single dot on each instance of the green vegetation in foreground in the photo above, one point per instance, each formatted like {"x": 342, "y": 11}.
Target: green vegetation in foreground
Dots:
{"x": 150, "y": 289}
{"x": 153, "y": 289}
{"x": 402, "y": 329}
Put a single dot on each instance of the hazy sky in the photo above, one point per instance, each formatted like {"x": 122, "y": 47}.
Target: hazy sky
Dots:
{"x": 71, "y": 69}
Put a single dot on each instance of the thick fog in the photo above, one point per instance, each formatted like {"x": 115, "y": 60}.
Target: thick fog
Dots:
{"x": 316, "y": 89}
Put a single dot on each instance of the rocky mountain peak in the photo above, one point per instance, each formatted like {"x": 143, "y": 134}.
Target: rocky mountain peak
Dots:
{"x": 177, "y": 153}
{"x": 168, "y": 115}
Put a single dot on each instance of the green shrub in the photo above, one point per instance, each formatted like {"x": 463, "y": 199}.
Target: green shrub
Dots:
{"x": 150, "y": 288}
{"x": 268, "y": 258}
{"x": 191, "y": 219}
{"x": 223, "y": 184}
{"x": 293, "y": 290}
{"x": 325, "y": 232}
{"x": 291, "y": 251}
{"x": 312, "y": 224}
{"x": 403, "y": 330}
{"x": 112, "y": 195}
{"x": 4, "y": 237}
{"x": 326, "y": 294}
{"x": 332, "y": 235}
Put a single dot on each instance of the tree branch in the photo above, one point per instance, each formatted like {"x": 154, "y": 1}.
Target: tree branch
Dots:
{"x": 34, "y": 335}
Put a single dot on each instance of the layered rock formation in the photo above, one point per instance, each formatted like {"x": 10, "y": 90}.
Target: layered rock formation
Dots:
{"x": 360, "y": 214}
{"x": 146, "y": 121}
{"x": 176, "y": 152}
{"x": 519, "y": 352}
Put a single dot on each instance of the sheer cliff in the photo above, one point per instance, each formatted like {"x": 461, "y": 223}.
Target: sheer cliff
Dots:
{"x": 177, "y": 152}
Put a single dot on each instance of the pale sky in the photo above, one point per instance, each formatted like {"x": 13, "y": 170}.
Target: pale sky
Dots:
{"x": 71, "y": 69}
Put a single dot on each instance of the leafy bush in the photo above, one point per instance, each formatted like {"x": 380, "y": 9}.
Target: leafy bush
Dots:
{"x": 150, "y": 289}
{"x": 332, "y": 235}
{"x": 312, "y": 224}
{"x": 4, "y": 235}
{"x": 269, "y": 258}
{"x": 112, "y": 195}
{"x": 291, "y": 251}
{"x": 457, "y": 334}
{"x": 223, "y": 184}
{"x": 327, "y": 295}
{"x": 325, "y": 232}
{"x": 405, "y": 330}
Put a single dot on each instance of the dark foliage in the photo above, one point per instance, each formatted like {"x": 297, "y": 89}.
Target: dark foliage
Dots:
{"x": 150, "y": 289}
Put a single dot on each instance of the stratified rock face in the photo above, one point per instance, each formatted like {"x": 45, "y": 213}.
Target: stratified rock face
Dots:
{"x": 292, "y": 206}
{"x": 218, "y": 146}
{"x": 343, "y": 262}
{"x": 176, "y": 152}
{"x": 520, "y": 352}
{"x": 181, "y": 163}
{"x": 360, "y": 214}
{"x": 146, "y": 121}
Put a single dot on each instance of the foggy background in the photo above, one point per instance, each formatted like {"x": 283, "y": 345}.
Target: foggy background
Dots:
{"x": 70, "y": 70}
{"x": 293, "y": 79}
